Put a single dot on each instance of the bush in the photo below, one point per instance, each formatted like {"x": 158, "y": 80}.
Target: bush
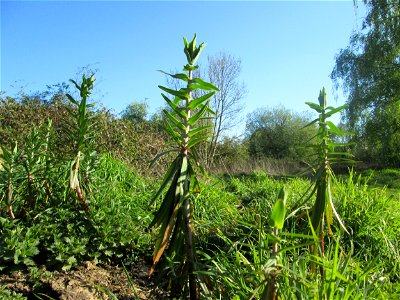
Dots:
{"x": 278, "y": 133}
{"x": 135, "y": 144}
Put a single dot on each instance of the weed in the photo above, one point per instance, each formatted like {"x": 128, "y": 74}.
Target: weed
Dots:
{"x": 175, "y": 215}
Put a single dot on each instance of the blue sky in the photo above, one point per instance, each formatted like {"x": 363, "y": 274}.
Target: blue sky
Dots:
{"x": 287, "y": 49}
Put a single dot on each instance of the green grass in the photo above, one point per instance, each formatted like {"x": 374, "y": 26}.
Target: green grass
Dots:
{"x": 232, "y": 231}
{"x": 389, "y": 178}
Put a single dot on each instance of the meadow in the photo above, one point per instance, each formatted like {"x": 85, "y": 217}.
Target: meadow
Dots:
{"x": 233, "y": 233}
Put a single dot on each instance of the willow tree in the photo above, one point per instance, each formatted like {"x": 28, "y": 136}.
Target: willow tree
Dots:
{"x": 368, "y": 69}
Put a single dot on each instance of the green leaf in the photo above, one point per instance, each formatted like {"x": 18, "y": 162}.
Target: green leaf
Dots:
{"x": 184, "y": 170}
{"x": 193, "y": 120}
{"x": 279, "y": 210}
{"x": 174, "y": 120}
{"x": 159, "y": 155}
{"x": 181, "y": 76}
{"x": 190, "y": 67}
{"x": 334, "y": 129}
{"x": 195, "y": 103}
{"x": 196, "y": 140}
{"x": 335, "y": 110}
{"x": 193, "y": 132}
{"x": 316, "y": 107}
{"x": 177, "y": 137}
{"x": 70, "y": 98}
{"x": 179, "y": 111}
{"x": 110, "y": 294}
{"x": 182, "y": 94}
{"x": 167, "y": 178}
{"x": 163, "y": 214}
{"x": 205, "y": 85}
{"x": 185, "y": 41}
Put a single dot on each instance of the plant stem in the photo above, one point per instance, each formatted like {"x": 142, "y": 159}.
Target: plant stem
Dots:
{"x": 187, "y": 206}
{"x": 269, "y": 291}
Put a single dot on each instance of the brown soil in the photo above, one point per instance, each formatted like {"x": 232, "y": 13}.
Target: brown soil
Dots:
{"x": 86, "y": 282}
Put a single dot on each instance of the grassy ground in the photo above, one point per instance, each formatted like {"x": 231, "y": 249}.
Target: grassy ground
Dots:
{"x": 233, "y": 236}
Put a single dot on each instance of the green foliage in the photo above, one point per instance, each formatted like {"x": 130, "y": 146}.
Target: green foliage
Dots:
{"x": 279, "y": 211}
{"x": 380, "y": 140}
{"x": 369, "y": 71}
{"x": 132, "y": 143}
{"x": 81, "y": 135}
{"x": 135, "y": 112}
{"x": 240, "y": 261}
{"x": 19, "y": 244}
{"x": 233, "y": 233}
{"x": 373, "y": 221}
{"x": 327, "y": 155}
{"x": 62, "y": 236}
{"x": 10, "y": 177}
{"x": 7, "y": 294}
{"x": 278, "y": 133}
{"x": 386, "y": 178}
{"x": 175, "y": 214}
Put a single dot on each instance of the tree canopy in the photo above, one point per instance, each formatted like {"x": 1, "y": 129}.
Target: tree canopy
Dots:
{"x": 369, "y": 72}
{"x": 135, "y": 112}
{"x": 278, "y": 133}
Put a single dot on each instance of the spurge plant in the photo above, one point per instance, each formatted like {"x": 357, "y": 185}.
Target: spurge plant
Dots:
{"x": 175, "y": 214}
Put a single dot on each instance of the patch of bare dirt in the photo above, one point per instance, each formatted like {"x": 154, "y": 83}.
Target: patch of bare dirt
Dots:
{"x": 88, "y": 282}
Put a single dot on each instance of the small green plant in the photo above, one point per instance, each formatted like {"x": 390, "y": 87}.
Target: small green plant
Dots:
{"x": 82, "y": 136}
{"x": 327, "y": 155}
{"x": 175, "y": 215}
{"x": 7, "y": 294}
{"x": 277, "y": 220}
{"x": 10, "y": 177}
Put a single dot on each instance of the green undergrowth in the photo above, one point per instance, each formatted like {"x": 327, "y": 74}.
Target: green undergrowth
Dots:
{"x": 63, "y": 235}
{"x": 233, "y": 235}
{"x": 362, "y": 265}
{"x": 389, "y": 178}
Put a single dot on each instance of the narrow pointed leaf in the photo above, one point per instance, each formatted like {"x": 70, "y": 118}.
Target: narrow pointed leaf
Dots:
{"x": 181, "y": 93}
{"x": 279, "y": 210}
{"x": 167, "y": 178}
{"x": 70, "y": 98}
{"x": 174, "y": 120}
{"x": 176, "y": 136}
{"x": 194, "y": 141}
{"x": 164, "y": 237}
{"x": 198, "y": 101}
{"x": 159, "y": 155}
{"x": 316, "y": 107}
{"x": 335, "y": 110}
{"x": 197, "y": 116}
{"x": 195, "y": 131}
{"x": 205, "y": 85}
{"x": 179, "y": 111}
{"x": 181, "y": 76}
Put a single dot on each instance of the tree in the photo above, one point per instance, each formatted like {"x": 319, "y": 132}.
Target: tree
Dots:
{"x": 136, "y": 112}
{"x": 223, "y": 71}
{"x": 278, "y": 133}
{"x": 369, "y": 71}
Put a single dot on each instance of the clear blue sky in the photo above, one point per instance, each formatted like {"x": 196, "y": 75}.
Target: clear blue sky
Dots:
{"x": 287, "y": 48}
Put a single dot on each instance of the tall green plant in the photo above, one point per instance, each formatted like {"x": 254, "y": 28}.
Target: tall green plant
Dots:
{"x": 327, "y": 155}
{"x": 82, "y": 136}
{"x": 37, "y": 162}
{"x": 175, "y": 215}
